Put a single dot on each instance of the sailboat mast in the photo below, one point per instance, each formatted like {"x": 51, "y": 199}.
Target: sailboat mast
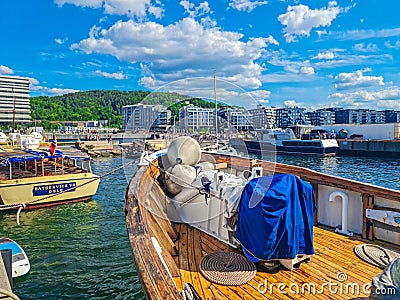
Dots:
{"x": 216, "y": 109}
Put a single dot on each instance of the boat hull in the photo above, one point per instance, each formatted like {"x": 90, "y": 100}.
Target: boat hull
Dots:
{"x": 255, "y": 147}
{"x": 43, "y": 191}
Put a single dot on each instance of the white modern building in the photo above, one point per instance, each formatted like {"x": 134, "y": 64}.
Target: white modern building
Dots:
{"x": 195, "y": 119}
{"x": 263, "y": 117}
{"x": 145, "y": 117}
{"x": 289, "y": 116}
{"x": 14, "y": 100}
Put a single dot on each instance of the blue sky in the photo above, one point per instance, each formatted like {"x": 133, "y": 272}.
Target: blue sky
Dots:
{"x": 312, "y": 54}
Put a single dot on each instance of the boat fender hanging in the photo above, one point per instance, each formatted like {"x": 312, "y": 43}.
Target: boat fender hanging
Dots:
{"x": 181, "y": 176}
{"x": 345, "y": 206}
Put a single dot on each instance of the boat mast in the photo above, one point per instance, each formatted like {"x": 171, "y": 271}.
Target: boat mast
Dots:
{"x": 216, "y": 109}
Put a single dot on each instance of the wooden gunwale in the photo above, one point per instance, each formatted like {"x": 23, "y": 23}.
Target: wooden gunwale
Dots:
{"x": 313, "y": 177}
{"x": 333, "y": 252}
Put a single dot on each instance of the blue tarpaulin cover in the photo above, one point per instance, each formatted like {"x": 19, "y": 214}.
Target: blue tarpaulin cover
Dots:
{"x": 276, "y": 217}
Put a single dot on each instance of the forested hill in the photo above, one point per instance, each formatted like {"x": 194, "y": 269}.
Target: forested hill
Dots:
{"x": 94, "y": 105}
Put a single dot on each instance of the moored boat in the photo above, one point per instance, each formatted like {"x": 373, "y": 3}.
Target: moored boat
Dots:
{"x": 172, "y": 231}
{"x": 34, "y": 179}
{"x": 282, "y": 141}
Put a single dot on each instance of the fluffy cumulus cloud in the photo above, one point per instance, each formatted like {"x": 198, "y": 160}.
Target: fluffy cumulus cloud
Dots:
{"x": 131, "y": 8}
{"x": 307, "y": 70}
{"x": 356, "y": 79}
{"x": 246, "y": 5}
{"x": 292, "y": 103}
{"x": 4, "y": 70}
{"x": 43, "y": 90}
{"x": 195, "y": 11}
{"x": 116, "y": 75}
{"x": 325, "y": 55}
{"x": 176, "y": 51}
{"x": 61, "y": 41}
{"x": 300, "y": 20}
{"x": 82, "y": 3}
{"x": 361, "y": 47}
{"x": 260, "y": 96}
{"x": 382, "y": 99}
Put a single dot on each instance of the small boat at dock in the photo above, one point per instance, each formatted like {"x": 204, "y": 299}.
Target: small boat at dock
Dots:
{"x": 184, "y": 215}
{"x": 283, "y": 141}
{"x": 34, "y": 179}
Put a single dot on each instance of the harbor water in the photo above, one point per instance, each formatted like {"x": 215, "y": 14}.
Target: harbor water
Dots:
{"x": 81, "y": 250}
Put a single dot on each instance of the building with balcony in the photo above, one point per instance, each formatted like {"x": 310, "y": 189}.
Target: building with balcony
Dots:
{"x": 234, "y": 119}
{"x": 263, "y": 117}
{"x": 359, "y": 116}
{"x": 392, "y": 116}
{"x": 289, "y": 116}
{"x": 325, "y": 116}
{"x": 196, "y": 119}
{"x": 145, "y": 117}
{"x": 14, "y": 100}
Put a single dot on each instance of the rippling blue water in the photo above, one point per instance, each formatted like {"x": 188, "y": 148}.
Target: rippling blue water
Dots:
{"x": 81, "y": 251}
{"x": 378, "y": 171}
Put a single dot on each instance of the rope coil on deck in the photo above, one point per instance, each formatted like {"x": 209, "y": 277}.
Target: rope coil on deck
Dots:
{"x": 227, "y": 268}
{"x": 376, "y": 255}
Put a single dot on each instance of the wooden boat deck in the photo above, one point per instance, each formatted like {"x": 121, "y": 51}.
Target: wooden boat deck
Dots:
{"x": 334, "y": 272}
{"x": 334, "y": 257}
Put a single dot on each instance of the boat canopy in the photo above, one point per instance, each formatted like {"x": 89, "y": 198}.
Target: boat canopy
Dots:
{"x": 276, "y": 217}
{"x": 8, "y": 158}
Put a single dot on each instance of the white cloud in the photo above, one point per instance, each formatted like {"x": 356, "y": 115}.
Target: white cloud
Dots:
{"x": 300, "y": 20}
{"x": 307, "y": 70}
{"x": 381, "y": 99}
{"x": 344, "y": 59}
{"x": 260, "y": 95}
{"x": 285, "y": 78}
{"x": 364, "y": 34}
{"x": 321, "y": 32}
{"x": 61, "y": 41}
{"x": 46, "y": 91}
{"x": 356, "y": 80}
{"x": 52, "y": 91}
{"x": 4, "y": 70}
{"x": 325, "y": 55}
{"x": 246, "y": 5}
{"x": 361, "y": 47}
{"x": 180, "y": 50}
{"x": 82, "y": 3}
{"x": 117, "y": 75}
{"x": 131, "y": 8}
{"x": 33, "y": 81}
{"x": 292, "y": 103}
{"x": 390, "y": 46}
{"x": 195, "y": 11}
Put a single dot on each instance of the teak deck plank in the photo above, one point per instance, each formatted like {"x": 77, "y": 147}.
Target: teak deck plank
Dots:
{"x": 334, "y": 254}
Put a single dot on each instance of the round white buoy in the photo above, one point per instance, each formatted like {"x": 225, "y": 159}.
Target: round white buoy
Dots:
{"x": 30, "y": 144}
{"x": 184, "y": 150}
{"x": 182, "y": 176}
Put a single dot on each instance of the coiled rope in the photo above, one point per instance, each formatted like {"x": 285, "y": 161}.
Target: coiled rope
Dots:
{"x": 227, "y": 268}
{"x": 376, "y": 255}
{"x": 189, "y": 292}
